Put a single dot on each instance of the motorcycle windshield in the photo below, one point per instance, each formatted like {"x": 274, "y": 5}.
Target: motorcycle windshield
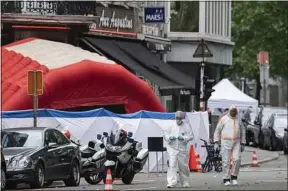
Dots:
{"x": 117, "y": 138}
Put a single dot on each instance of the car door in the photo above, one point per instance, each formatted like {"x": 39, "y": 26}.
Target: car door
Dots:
{"x": 271, "y": 126}
{"x": 65, "y": 152}
{"x": 51, "y": 156}
{"x": 269, "y": 131}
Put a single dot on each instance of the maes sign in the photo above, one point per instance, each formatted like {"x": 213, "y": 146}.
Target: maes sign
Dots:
{"x": 113, "y": 19}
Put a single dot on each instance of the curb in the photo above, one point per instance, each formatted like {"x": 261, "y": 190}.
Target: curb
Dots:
{"x": 261, "y": 161}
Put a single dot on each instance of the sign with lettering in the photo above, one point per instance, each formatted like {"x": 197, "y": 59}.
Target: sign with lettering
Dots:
{"x": 112, "y": 22}
{"x": 150, "y": 30}
{"x": 185, "y": 92}
{"x": 114, "y": 18}
{"x": 154, "y": 15}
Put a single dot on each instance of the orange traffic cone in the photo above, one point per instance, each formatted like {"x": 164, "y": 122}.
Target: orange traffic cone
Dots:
{"x": 192, "y": 159}
{"x": 199, "y": 168}
{"x": 109, "y": 181}
{"x": 254, "y": 160}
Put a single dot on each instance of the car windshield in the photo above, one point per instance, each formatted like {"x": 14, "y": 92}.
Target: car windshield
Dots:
{"x": 267, "y": 112}
{"x": 280, "y": 122}
{"x": 21, "y": 139}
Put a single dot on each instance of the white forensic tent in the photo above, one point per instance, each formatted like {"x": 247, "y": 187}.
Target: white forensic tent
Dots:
{"x": 85, "y": 126}
{"x": 226, "y": 94}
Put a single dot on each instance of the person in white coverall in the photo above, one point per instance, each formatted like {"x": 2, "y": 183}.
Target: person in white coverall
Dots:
{"x": 177, "y": 137}
{"x": 231, "y": 134}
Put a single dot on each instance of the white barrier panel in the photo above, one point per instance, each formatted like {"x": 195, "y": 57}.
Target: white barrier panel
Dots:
{"x": 85, "y": 126}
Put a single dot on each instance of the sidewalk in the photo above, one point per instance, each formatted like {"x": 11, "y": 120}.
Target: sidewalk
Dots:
{"x": 262, "y": 155}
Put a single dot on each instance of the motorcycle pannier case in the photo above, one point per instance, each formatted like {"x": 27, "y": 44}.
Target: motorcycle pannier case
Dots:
{"x": 141, "y": 159}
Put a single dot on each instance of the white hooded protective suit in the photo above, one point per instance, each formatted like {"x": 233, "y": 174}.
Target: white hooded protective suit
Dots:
{"x": 178, "y": 153}
{"x": 231, "y": 134}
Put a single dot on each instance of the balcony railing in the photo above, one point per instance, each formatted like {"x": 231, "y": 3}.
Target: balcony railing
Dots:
{"x": 33, "y": 7}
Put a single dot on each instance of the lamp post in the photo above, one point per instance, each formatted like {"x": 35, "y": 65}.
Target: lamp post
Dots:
{"x": 202, "y": 51}
{"x": 263, "y": 60}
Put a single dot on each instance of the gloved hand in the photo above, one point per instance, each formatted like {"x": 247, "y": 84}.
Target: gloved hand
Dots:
{"x": 172, "y": 138}
{"x": 216, "y": 147}
{"x": 242, "y": 147}
{"x": 180, "y": 138}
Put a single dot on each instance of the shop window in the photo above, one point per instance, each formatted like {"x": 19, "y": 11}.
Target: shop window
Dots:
{"x": 184, "y": 16}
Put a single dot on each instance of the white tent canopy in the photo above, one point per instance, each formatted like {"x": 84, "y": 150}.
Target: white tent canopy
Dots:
{"x": 227, "y": 94}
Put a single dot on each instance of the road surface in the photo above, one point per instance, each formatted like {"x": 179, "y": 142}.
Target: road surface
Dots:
{"x": 269, "y": 176}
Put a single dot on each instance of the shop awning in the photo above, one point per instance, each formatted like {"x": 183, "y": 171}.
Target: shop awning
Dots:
{"x": 134, "y": 56}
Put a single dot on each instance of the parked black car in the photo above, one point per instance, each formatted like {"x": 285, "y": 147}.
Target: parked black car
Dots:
{"x": 3, "y": 171}
{"x": 39, "y": 156}
{"x": 258, "y": 120}
{"x": 285, "y": 141}
{"x": 272, "y": 133}
{"x": 247, "y": 119}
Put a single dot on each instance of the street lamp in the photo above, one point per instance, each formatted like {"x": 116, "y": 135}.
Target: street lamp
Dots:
{"x": 202, "y": 51}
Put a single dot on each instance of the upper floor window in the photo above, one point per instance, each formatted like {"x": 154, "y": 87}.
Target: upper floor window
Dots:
{"x": 184, "y": 16}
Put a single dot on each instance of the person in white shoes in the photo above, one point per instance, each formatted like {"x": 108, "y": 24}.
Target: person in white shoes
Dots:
{"x": 231, "y": 134}
{"x": 177, "y": 137}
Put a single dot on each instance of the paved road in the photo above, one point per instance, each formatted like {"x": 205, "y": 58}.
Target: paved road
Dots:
{"x": 262, "y": 155}
{"x": 269, "y": 176}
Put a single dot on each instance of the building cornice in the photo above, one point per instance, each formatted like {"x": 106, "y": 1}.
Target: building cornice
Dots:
{"x": 182, "y": 36}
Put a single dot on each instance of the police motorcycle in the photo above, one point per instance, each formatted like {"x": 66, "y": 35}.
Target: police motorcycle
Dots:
{"x": 124, "y": 156}
{"x": 92, "y": 160}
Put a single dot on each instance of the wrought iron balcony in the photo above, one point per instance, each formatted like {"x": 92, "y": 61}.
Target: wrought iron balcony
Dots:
{"x": 34, "y": 7}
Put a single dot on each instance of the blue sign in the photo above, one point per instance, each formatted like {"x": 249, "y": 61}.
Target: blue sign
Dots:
{"x": 154, "y": 15}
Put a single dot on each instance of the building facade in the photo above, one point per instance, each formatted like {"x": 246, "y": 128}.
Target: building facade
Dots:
{"x": 189, "y": 22}
{"x": 112, "y": 29}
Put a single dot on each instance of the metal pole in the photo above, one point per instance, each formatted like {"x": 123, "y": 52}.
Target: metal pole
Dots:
{"x": 243, "y": 84}
{"x": 162, "y": 163}
{"x": 202, "y": 104}
{"x": 35, "y": 99}
{"x": 148, "y": 165}
{"x": 157, "y": 162}
{"x": 264, "y": 91}
{"x": 202, "y": 84}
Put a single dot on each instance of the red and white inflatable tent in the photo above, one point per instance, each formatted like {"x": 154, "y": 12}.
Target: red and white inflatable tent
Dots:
{"x": 73, "y": 77}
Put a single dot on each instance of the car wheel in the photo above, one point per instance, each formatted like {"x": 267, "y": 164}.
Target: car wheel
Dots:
{"x": 265, "y": 145}
{"x": 285, "y": 151}
{"x": 93, "y": 178}
{"x": 74, "y": 177}
{"x": 48, "y": 183}
{"x": 39, "y": 175}
{"x": 273, "y": 144}
{"x": 261, "y": 141}
{"x": 249, "y": 137}
{"x": 3, "y": 178}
